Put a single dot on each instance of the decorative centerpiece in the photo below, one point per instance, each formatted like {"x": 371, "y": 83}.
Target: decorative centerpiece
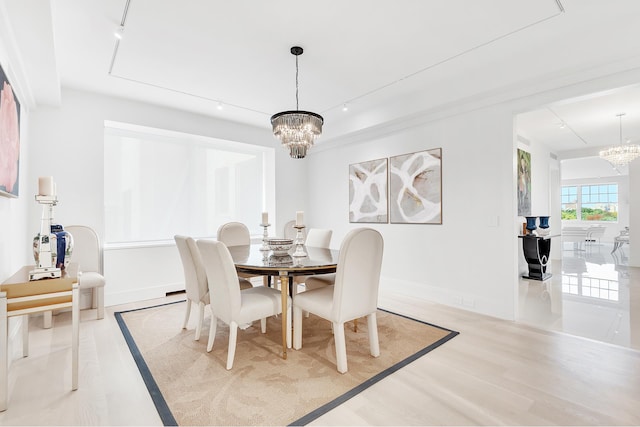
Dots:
{"x": 279, "y": 246}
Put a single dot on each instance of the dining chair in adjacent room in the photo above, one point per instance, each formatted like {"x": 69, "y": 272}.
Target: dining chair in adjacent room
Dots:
{"x": 87, "y": 252}
{"x": 354, "y": 294}
{"x": 235, "y": 307}
{"x": 195, "y": 280}
{"x": 235, "y": 234}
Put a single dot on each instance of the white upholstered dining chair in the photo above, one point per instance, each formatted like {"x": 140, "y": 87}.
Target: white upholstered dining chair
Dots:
{"x": 317, "y": 238}
{"x": 235, "y": 234}
{"x": 235, "y": 307}
{"x": 354, "y": 294}
{"x": 289, "y": 232}
{"x": 195, "y": 280}
{"x": 87, "y": 252}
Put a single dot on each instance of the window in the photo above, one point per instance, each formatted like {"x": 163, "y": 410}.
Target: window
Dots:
{"x": 569, "y": 202}
{"x": 158, "y": 184}
{"x": 590, "y": 202}
{"x": 599, "y": 202}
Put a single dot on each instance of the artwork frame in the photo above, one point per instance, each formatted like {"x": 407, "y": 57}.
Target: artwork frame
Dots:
{"x": 369, "y": 192}
{"x": 415, "y": 187}
{"x": 9, "y": 139}
{"x": 523, "y": 187}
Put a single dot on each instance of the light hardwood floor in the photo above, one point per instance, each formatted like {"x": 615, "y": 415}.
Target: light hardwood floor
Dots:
{"x": 495, "y": 372}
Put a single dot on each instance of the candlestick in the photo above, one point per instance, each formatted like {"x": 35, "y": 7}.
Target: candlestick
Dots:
{"x": 265, "y": 235}
{"x": 299, "y": 216}
{"x": 265, "y": 217}
{"x": 299, "y": 242}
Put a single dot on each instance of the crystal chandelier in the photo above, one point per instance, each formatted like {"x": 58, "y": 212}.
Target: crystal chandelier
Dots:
{"x": 297, "y": 130}
{"x": 622, "y": 154}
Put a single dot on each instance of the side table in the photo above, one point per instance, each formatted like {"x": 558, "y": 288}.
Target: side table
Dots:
{"x": 20, "y": 297}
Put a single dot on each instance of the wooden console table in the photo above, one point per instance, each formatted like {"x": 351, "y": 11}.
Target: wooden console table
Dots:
{"x": 20, "y": 297}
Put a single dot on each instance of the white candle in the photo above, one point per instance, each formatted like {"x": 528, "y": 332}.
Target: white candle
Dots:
{"x": 265, "y": 218}
{"x": 45, "y": 186}
{"x": 299, "y": 220}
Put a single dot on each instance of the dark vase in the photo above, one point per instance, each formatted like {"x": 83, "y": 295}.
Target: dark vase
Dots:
{"x": 544, "y": 222}
{"x": 531, "y": 223}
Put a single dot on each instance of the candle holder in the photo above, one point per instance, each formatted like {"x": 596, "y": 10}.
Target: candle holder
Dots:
{"x": 299, "y": 242}
{"x": 265, "y": 236}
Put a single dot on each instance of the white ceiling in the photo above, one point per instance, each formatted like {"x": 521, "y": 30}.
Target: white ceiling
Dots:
{"x": 384, "y": 59}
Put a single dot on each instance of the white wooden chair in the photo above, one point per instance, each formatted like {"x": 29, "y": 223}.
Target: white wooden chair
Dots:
{"x": 87, "y": 252}
{"x": 575, "y": 235}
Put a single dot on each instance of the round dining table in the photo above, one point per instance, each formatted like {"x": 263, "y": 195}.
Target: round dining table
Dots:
{"x": 253, "y": 259}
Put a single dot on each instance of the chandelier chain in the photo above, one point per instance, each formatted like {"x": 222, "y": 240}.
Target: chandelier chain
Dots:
{"x": 297, "y": 107}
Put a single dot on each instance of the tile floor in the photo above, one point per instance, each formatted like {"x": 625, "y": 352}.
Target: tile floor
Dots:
{"x": 592, "y": 294}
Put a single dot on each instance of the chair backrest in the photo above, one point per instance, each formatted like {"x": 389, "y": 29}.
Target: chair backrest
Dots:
{"x": 318, "y": 238}
{"x": 596, "y": 231}
{"x": 87, "y": 250}
{"x": 224, "y": 291}
{"x": 234, "y": 234}
{"x": 355, "y": 291}
{"x": 195, "y": 277}
{"x": 289, "y": 231}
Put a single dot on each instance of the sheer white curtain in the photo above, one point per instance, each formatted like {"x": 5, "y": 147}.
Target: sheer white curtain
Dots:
{"x": 160, "y": 183}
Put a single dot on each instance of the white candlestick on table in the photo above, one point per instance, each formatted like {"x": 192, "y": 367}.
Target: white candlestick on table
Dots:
{"x": 299, "y": 220}
{"x": 265, "y": 218}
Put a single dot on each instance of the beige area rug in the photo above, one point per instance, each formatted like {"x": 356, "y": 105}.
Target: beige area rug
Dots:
{"x": 192, "y": 387}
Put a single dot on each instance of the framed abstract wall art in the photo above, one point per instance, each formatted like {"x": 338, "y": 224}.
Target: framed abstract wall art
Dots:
{"x": 368, "y": 191}
{"x": 415, "y": 188}
{"x": 9, "y": 139}
{"x": 524, "y": 183}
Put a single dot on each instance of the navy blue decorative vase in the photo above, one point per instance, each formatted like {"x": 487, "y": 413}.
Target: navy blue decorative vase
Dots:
{"x": 544, "y": 222}
{"x": 531, "y": 223}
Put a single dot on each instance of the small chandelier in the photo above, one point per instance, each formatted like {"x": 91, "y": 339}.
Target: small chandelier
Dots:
{"x": 622, "y": 154}
{"x": 297, "y": 130}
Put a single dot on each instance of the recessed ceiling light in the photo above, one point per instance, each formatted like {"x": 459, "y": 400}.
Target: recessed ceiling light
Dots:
{"x": 118, "y": 32}
{"x": 345, "y": 108}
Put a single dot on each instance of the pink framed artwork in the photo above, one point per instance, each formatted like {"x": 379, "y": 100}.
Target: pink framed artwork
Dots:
{"x": 9, "y": 139}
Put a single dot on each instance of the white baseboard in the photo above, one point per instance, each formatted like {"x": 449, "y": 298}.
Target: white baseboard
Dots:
{"x": 441, "y": 295}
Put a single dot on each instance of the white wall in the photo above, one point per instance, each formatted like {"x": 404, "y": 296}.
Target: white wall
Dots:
{"x": 545, "y": 194}
{"x": 471, "y": 260}
{"x": 634, "y": 218}
{"x": 67, "y": 143}
{"x": 468, "y": 259}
